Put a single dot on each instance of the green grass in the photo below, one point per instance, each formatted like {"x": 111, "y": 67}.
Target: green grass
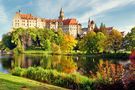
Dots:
{"x": 36, "y": 52}
{"x": 9, "y": 82}
{"x": 48, "y": 52}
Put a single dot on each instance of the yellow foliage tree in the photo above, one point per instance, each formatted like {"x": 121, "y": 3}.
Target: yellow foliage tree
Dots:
{"x": 68, "y": 43}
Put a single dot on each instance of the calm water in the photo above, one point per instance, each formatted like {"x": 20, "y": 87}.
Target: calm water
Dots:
{"x": 68, "y": 64}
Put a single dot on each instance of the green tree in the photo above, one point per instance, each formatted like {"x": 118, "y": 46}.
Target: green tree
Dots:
{"x": 102, "y": 27}
{"x": 93, "y": 42}
{"x": 6, "y": 42}
{"x": 115, "y": 40}
{"x": 88, "y": 43}
{"x": 47, "y": 45}
{"x": 21, "y": 39}
{"x": 96, "y": 28}
{"x": 100, "y": 38}
{"x": 60, "y": 35}
{"x": 129, "y": 40}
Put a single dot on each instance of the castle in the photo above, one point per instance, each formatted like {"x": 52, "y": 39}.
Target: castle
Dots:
{"x": 70, "y": 26}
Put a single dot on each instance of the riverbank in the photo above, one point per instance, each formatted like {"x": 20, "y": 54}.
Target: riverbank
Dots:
{"x": 75, "y": 81}
{"x": 112, "y": 55}
{"x": 9, "y": 82}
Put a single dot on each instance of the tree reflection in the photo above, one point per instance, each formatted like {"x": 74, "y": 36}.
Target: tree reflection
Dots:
{"x": 18, "y": 60}
{"x": 68, "y": 65}
{"x": 107, "y": 71}
{"x": 46, "y": 62}
{"x": 25, "y": 61}
{"x": 87, "y": 64}
{"x": 6, "y": 62}
{"x": 60, "y": 63}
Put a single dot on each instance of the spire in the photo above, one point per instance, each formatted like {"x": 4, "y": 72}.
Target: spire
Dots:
{"x": 19, "y": 10}
{"x": 61, "y": 16}
{"x": 89, "y": 20}
{"x": 61, "y": 10}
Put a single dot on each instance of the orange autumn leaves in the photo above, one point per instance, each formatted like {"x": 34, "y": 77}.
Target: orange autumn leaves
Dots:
{"x": 68, "y": 43}
{"x": 108, "y": 71}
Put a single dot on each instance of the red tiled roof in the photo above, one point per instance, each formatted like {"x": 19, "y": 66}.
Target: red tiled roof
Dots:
{"x": 70, "y": 22}
{"x": 26, "y": 16}
{"x": 51, "y": 20}
{"x": 65, "y": 21}
{"x": 109, "y": 28}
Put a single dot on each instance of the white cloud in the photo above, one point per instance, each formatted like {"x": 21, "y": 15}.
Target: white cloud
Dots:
{"x": 101, "y": 7}
{"x": 94, "y": 7}
{"x": 51, "y": 9}
{"x": 48, "y": 8}
{"x": 126, "y": 29}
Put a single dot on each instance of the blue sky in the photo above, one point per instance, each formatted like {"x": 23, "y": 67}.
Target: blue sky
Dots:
{"x": 117, "y": 13}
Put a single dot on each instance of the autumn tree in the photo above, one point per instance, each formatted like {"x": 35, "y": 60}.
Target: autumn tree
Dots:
{"x": 68, "y": 43}
{"x": 55, "y": 48}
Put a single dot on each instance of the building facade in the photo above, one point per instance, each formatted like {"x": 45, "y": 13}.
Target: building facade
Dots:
{"x": 70, "y": 26}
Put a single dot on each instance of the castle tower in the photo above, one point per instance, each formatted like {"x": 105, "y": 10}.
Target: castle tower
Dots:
{"x": 61, "y": 16}
{"x": 91, "y": 25}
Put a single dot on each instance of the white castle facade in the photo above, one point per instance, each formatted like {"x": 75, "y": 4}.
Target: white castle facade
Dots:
{"x": 70, "y": 26}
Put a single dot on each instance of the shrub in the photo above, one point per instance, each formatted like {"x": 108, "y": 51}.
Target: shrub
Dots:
{"x": 72, "y": 81}
{"x": 19, "y": 72}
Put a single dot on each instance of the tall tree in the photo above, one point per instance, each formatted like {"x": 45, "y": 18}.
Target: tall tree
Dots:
{"x": 96, "y": 28}
{"x": 102, "y": 27}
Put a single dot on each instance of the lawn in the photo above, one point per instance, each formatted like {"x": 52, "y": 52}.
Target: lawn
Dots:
{"x": 9, "y": 82}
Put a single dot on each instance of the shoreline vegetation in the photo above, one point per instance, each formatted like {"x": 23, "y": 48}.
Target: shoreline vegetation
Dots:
{"x": 118, "y": 55}
{"x": 74, "y": 81}
{"x": 38, "y": 40}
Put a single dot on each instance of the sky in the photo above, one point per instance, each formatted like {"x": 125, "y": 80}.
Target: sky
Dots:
{"x": 119, "y": 14}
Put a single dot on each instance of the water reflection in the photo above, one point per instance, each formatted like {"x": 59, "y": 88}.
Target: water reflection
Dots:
{"x": 58, "y": 62}
{"x": 68, "y": 64}
{"x": 5, "y": 64}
